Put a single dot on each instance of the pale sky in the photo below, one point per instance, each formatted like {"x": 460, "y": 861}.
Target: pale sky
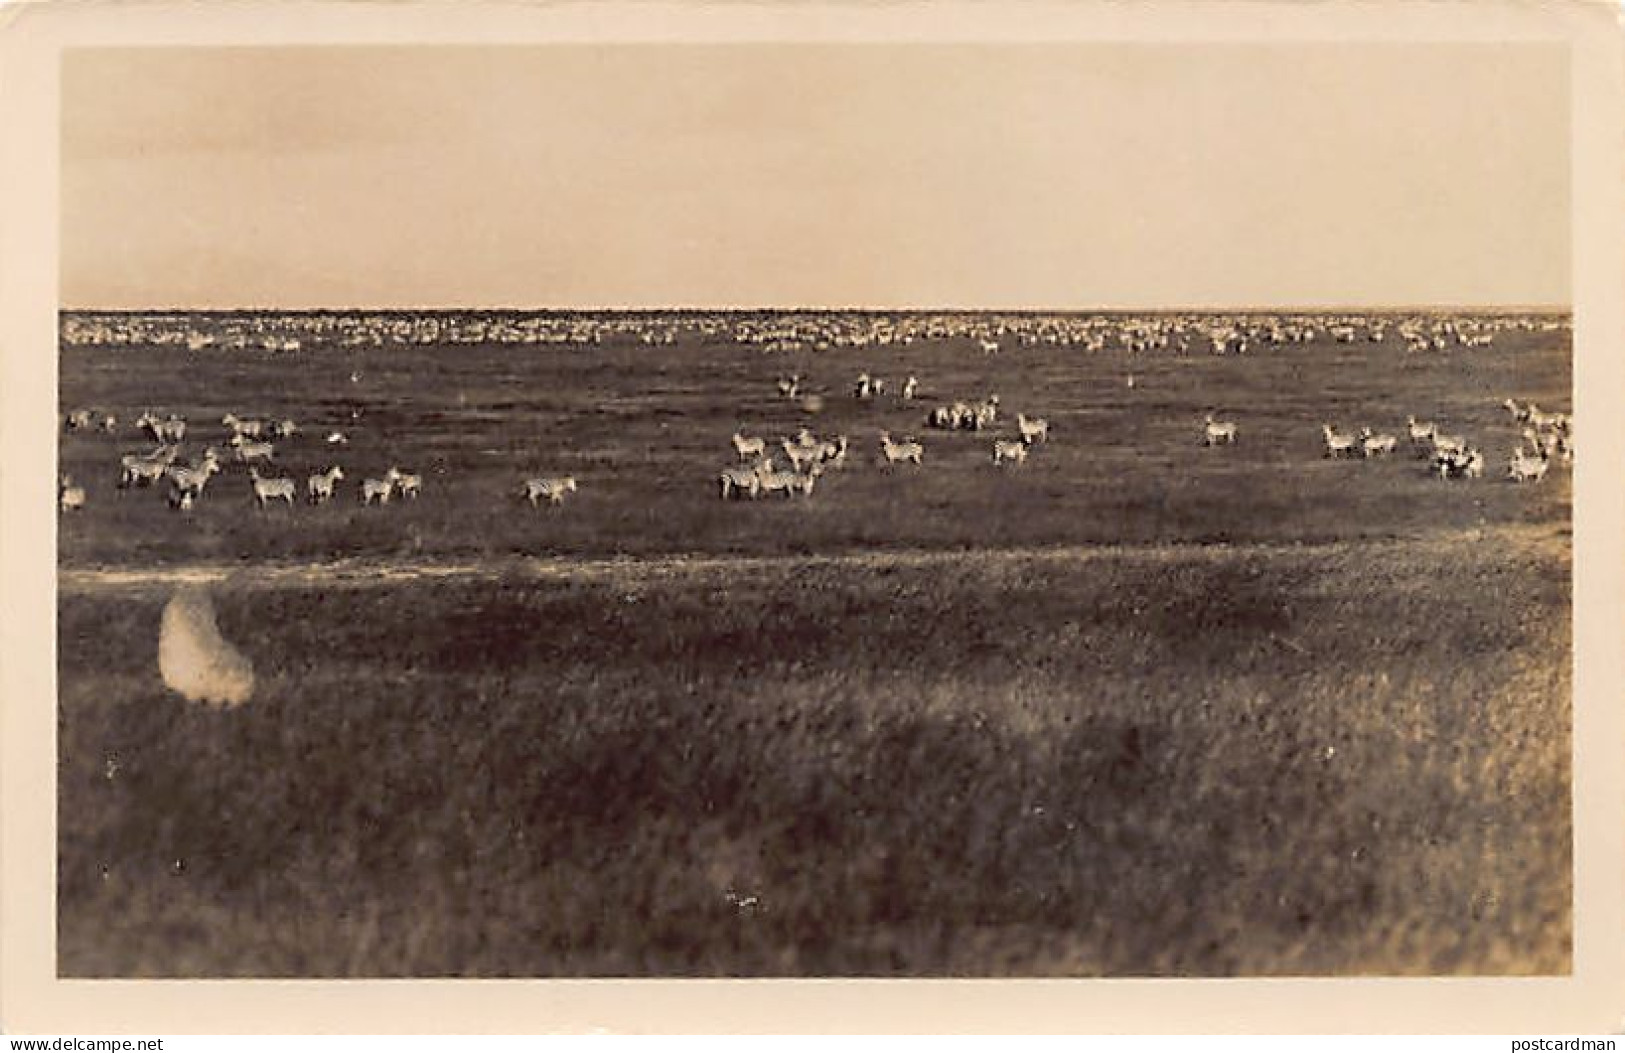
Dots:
{"x": 1048, "y": 176}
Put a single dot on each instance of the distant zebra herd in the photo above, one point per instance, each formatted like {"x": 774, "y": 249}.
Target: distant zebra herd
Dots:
{"x": 252, "y": 444}
{"x": 755, "y": 469}
{"x": 756, "y": 472}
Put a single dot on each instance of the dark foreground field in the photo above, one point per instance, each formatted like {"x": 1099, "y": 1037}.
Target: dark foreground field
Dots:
{"x": 1349, "y": 758}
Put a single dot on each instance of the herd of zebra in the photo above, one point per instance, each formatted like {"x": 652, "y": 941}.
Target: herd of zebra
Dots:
{"x": 755, "y": 469}
{"x": 252, "y": 444}
{"x": 1549, "y": 437}
{"x": 757, "y": 472}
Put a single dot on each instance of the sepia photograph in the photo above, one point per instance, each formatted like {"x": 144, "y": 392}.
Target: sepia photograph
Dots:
{"x": 908, "y": 509}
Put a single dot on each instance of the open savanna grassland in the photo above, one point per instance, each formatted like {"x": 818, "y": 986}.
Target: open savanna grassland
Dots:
{"x": 953, "y": 721}
{"x": 1340, "y": 759}
{"x": 645, "y": 430}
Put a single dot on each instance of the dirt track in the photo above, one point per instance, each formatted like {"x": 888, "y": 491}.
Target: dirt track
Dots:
{"x": 360, "y": 573}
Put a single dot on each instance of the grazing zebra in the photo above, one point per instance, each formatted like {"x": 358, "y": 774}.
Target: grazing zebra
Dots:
{"x": 800, "y": 456}
{"x": 248, "y": 429}
{"x": 1034, "y": 429}
{"x": 910, "y": 386}
{"x": 1519, "y": 413}
{"x": 171, "y": 430}
{"x": 739, "y": 481}
{"x": 865, "y": 387}
{"x": 1337, "y": 443}
{"x": 1215, "y": 432}
{"x": 378, "y": 490}
{"x": 320, "y": 486}
{"x": 109, "y": 424}
{"x": 252, "y": 452}
{"x": 1009, "y": 450}
{"x": 908, "y": 450}
{"x": 139, "y": 469}
{"x": 1451, "y": 444}
{"x": 410, "y": 484}
{"x": 790, "y": 386}
{"x": 1541, "y": 419}
{"x": 1375, "y": 445}
{"x": 986, "y": 415}
{"x": 337, "y": 438}
{"x": 1454, "y": 463}
{"x": 69, "y": 498}
{"x": 786, "y": 483}
{"x": 553, "y": 489}
{"x": 833, "y": 453}
{"x": 284, "y": 429}
{"x": 77, "y": 420}
{"x": 1524, "y": 468}
{"x": 266, "y": 490}
{"x": 748, "y": 447}
{"x": 192, "y": 480}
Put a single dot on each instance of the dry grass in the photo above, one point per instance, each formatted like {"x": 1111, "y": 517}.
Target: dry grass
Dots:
{"x": 1135, "y": 708}
{"x": 646, "y": 432}
{"x": 1197, "y": 762}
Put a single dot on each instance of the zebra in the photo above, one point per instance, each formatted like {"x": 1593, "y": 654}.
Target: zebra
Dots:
{"x": 1215, "y": 432}
{"x": 248, "y": 429}
{"x": 192, "y": 480}
{"x": 249, "y": 451}
{"x": 907, "y": 450}
{"x": 1337, "y": 444}
{"x": 284, "y": 429}
{"x": 78, "y": 420}
{"x": 377, "y": 489}
{"x": 800, "y": 455}
{"x": 553, "y": 489}
{"x": 170, "y": 430}
{"x": 1007, "y": 450}
{"x": 1524, "y": 468}
{"x": 989, "y": 347}
{"x": 1034, "y": 429}
{"x": 1448, "y": 444}
{"x": 790, "y": 386}
{"x": 1452, "y": 463}
{"x": 109, "y": 424}
{"x": 410, "y": 484}
{"x": 787, "y": 483}
{"x": 320, "y": 486}
{"x": 266, "y": 490}
{"x": 139, "y": 469}
{"x": 1420, "y": 433}
{"x": 69, "y": 498}
{"x": 1375, "y": 445}
{"x": 747, "y": 481}
{"x": 337, "y": 438}
{"x": 748, "y": 447}
{"x": 833, "y": 453}
{"x": 910, "y": 386}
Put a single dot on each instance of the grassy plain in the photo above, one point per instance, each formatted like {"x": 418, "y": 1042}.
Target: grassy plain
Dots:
{"x": 954, "y": 723}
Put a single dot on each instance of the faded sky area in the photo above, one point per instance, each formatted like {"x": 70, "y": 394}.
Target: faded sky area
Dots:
{"x": 1004, "y": 176}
